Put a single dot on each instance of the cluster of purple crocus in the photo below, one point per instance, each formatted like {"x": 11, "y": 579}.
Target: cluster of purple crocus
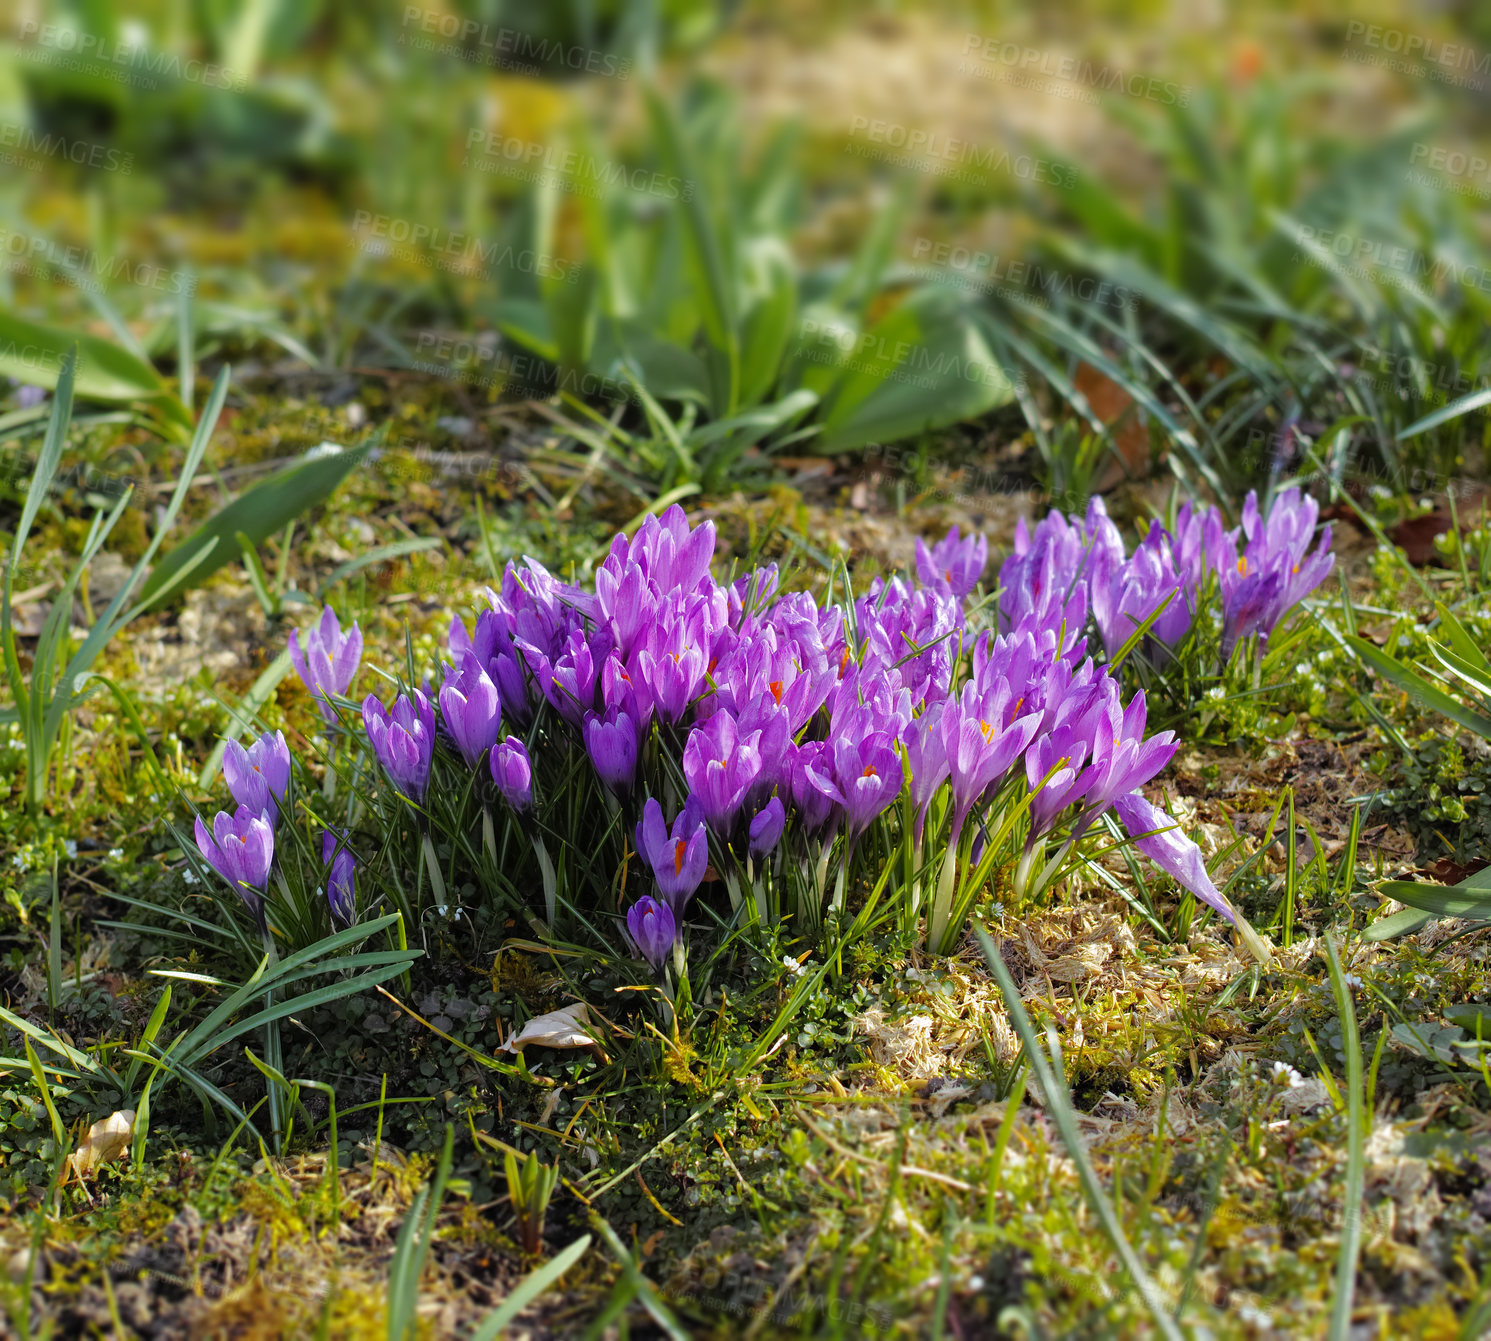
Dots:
{"x": 240, "y": 845}
{"x": 741, "y": 731}
{"x": 793, "y": 727}
{"x": 1067, "y": 567}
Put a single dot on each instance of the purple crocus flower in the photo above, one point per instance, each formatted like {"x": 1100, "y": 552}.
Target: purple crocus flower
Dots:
{"x": 954, "y": 565}
{"x": 1156, "y": 835}
{"x": 240, "y": 848}
{"x": 813, "y": 792}
{"x": 512, "y": 771}
{"x": 720, "y": 763}
{"x": 869, "y": 776}
{"x": 982, "y": 734}
{"x": 1200, "y": 545}
{"x": 1123, "y": 758}
{"x": 258, "y": 776}
{"x": 652, "y": 929}
{"x": 611, "y": 743}
{"x": 328, "y": 662}
{"x": 1275, "y": 570}
{"x": 471, "y": 708}
{"x": 679, "y": 858}
{"x": 670, "y": 661}
{"x": 403, "y": 740}
{"x": 927, "y": 755}
{"x": 1125, "y": 595}
{"x": 340, "y": 891}
{"x": 766, "y": 828}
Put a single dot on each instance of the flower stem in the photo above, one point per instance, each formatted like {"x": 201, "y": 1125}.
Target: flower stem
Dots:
{"x": 272, "y": 1052}
{"x": 942, "y": 901}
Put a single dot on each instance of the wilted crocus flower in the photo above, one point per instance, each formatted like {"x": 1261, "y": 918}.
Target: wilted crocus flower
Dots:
{"x": 471, "y": 708}
{"x": 766, "y": 828}
{"x": 340, "y": 892}
{"x": 1155, "y": 834}
{"x": 678, "y": 859}
{"x": 652, "y": 929}
{"x": 513, "y": 773}
{"x": 611, "y": 743}
{"x": 328, "y": 662}
{"x": 403, "y": 740}
{"x": 954, "y": 565}
{"x": 240, "y": 848}
{"x": 258, "y": 776}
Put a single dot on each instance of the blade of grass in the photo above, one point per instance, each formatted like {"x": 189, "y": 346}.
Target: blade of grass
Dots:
{"x": 1059, "y": 1104}
{"x": 1356, "y": 1162}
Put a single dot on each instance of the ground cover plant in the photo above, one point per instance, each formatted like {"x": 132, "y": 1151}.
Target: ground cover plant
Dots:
{"x": 710, "y": 671}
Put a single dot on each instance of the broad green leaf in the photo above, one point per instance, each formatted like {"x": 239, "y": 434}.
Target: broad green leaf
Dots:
{"x": 923, "y": 365}
{"x": 1462, "y": 900}
{"x": 34, "y": 353}
{"x": 260, "y": 513}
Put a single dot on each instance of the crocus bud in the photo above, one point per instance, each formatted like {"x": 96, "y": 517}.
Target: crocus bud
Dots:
{"x": 512, "y": 771}
{"x": 652, "y": 929}
{"x": 766, "y": 828}
{"x": 340, "y": 892}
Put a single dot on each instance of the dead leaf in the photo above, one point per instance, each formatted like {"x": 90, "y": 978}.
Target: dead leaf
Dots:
{"x": 107, "y": 1140}
{"x": 558, "y": 1029}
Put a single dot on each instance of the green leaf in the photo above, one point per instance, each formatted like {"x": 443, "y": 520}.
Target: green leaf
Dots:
{"x": 1402, "y": 923}
{"x": 1465, "y": 405}
{"x": 924, "y": 365}
{"x": 1414, "y": 684}
{"x": 33, "y": 352}
{"x": 258, "y": 514}
{"x": 528, "y": 1289}
{"x": 1469, "y": 899}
